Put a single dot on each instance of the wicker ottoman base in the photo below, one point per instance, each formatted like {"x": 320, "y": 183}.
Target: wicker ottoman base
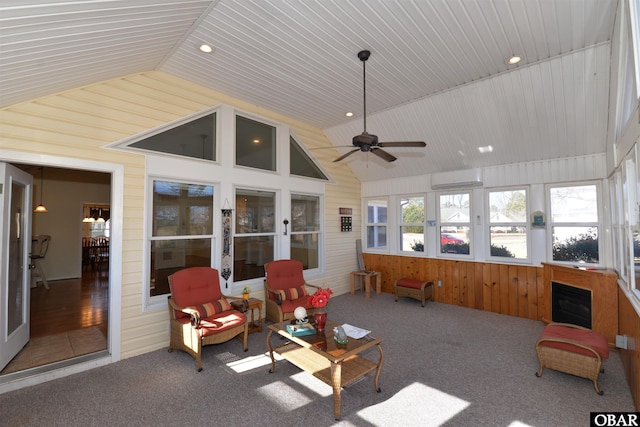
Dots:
{"x": 572, "y": 351}
{"x": 413, "y": 288}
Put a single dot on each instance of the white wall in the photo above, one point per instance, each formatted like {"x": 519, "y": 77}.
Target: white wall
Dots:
{"x": 65, "y": 191}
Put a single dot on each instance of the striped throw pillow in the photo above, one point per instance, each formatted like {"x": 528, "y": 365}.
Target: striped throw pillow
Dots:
{"x": 211, "y": 308}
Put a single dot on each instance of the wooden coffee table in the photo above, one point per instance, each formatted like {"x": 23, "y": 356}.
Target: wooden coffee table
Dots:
{"x": 320, "y": 355}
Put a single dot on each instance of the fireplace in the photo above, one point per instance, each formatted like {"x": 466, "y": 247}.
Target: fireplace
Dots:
{"x": 570, "y": 304}
{"x": 601, "y": 284}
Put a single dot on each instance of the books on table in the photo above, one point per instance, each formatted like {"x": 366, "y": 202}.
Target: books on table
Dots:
{"x": 302, "y": 329}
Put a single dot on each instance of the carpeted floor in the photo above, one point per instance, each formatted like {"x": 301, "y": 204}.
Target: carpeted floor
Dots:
{"x": 53, "y": 348}
{"x": 443, "y": 366}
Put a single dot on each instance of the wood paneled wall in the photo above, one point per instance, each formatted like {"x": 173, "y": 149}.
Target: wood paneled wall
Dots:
{"x": 629, "y": 325}
{"x": 506, "y": 289}
{"x": 515, "y": 290}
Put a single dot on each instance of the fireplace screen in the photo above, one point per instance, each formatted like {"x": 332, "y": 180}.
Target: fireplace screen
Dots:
{"x": 570, "y": 305}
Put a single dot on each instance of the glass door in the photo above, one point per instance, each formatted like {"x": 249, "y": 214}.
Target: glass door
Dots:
{"x": 15, "y": 240}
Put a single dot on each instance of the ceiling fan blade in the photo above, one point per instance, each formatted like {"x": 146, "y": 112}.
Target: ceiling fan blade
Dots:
{"x": 383, "y": 154}
{"x": 403, "y": 144}
{"x": 346, "y": 155}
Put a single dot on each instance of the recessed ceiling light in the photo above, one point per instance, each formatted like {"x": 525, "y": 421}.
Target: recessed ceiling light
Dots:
{"x": 514, "y": 60}
{"x": 486, "y": 149}
{"x": 205, "y": 48}
{"x": 348, "y": 114}
{"x": 256, "y": 141}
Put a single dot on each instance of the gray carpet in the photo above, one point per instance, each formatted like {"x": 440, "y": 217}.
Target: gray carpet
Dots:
{"x": 443, "y": 365}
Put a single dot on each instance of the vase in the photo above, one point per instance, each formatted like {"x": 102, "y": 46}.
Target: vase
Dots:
{"x": 320, "y": 318}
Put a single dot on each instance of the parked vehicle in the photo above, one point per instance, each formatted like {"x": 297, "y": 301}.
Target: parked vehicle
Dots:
{"x": 448, "y": 238}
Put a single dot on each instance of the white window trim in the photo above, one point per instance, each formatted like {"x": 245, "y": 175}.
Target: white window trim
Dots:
{"x": 159, "y": 302}
{"x": 525, "y": 224}
{"x": 402, "y": 224}
{"x": 599, "y": 225}
{"x": 366, "y": 224}
{"x": 440, "y": 224}
{"x": 321, "y": 232}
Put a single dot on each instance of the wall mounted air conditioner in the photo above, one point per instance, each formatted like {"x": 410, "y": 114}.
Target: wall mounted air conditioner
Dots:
{"x": 468, "y": 178}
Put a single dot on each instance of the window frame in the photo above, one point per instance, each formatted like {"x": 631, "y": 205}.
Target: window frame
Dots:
{"x": 525, "y": 223}
{"x": 402, "y": 224}
{"x": 235, "y": 234}
{"x": 367, "y": 224}
{"x": 440, "y": 224}
{"x": 275, "y": 150}
{"x": 598, "y": 225}
{"x": 129, "y": 144}
{"x": 319, "y": 232}
{"x": 156, "y": 302}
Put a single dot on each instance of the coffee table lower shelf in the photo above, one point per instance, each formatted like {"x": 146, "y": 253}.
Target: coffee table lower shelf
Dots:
{"x": 353, "y": 368}
{"x": 319, "y": 355}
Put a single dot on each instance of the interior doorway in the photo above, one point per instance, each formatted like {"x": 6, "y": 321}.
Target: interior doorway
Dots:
{"x": 71, "y": 318}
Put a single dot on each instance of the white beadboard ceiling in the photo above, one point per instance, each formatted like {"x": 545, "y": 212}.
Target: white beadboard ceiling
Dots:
{"x": 437, "y": 70}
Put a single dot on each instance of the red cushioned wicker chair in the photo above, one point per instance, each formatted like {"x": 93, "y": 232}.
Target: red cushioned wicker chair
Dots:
{"x": 200, "y": 315}
{"x": 285, "y": 289}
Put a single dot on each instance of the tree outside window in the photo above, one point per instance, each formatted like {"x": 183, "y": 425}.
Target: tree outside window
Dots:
{"x": 574, "y": 223}
{"x": 508, "y": 223}
{"x": 412, "y": 223}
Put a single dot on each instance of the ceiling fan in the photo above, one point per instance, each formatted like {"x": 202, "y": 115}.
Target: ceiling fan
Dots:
{"x": 367, "y": 142}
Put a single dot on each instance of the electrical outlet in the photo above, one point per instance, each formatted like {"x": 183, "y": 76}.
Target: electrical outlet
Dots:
{"x": 439, "y": 283}
{"x": 621, "y": 341}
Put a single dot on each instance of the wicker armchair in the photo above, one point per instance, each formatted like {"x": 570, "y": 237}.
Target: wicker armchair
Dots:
{"x": 285, "y": 289}
{"x": 200, "y": 315}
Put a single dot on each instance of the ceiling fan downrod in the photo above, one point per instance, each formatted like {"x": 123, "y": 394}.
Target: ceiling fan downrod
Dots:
{"x": 363, "y": 55}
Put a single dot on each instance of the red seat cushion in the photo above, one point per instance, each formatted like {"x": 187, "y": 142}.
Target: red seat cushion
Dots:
{"x": 410, "y": 283}
{"x": 583, "y": 336}
{"x": 218, "y": 322}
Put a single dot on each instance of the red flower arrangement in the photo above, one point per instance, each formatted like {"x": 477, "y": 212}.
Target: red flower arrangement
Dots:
{"x": 320, "y": 298}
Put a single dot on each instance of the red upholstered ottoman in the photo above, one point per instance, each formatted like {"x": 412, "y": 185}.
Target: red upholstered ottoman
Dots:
{"x": 413, "y": 288}
{"x": 572, "y": 349}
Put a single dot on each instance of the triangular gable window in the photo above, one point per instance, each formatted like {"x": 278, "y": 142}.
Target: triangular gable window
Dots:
{"x": 196, "y": 139}
{"x": 300, "y": 163}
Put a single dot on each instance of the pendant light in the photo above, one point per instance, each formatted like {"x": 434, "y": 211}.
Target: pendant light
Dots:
{"x": 41, "y": 208}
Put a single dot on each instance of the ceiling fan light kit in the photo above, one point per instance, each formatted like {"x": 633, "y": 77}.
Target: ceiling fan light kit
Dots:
{"x": 366, "y": 142}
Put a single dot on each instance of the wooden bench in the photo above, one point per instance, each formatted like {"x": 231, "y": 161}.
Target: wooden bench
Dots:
{"x": 573, "y": 350}
{"x": 413, "y": 288}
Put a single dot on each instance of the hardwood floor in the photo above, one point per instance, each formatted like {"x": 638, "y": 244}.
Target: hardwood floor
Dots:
{"x": 70, "y": 308}
{"x": 71, "y": 304}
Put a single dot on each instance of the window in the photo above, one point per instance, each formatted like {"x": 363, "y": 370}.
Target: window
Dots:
{"x": 196, "y": 139}
{"x": 305, "y": 229}
{"x": 574, "y": 223}
{"x": 377, "y": 224}
{"x": 455, "y": 223}
{"x": 255, "y": 144}
{"x": 508, "y": 225}
{"x": 412, "y": 224}
{"x": 300, "y": 163}
{"x": 181, "y": 230}
{"x": 253, "y": 242}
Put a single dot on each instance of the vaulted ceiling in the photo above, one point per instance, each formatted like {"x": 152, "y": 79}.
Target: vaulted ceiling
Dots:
{"x": 437, "y": 70}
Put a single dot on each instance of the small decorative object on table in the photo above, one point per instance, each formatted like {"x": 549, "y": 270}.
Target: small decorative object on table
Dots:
{"x": 340, "y": 335}
{"x": 319, "y": 300}
{"x": 300, "y": 313}
{"x": 245, "y": 292}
